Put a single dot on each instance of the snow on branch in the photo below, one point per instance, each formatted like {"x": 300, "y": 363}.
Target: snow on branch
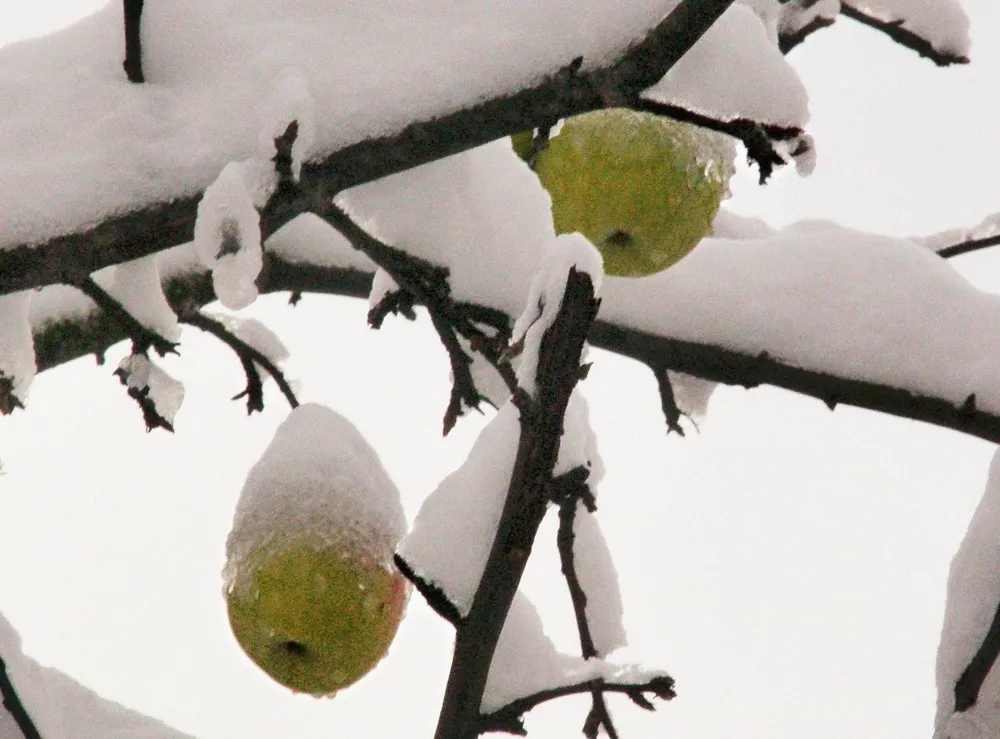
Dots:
{"x": 508, "y": 718}
{"x": 120, "y": 237}
{"x": 541, "y": 425}
{"x": 968, "y": 407}
{"x": 938, "y": 31}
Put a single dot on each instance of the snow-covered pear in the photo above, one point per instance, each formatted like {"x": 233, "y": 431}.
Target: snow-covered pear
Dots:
{"x": 643, "y": 188}
{"x": 313, "y": 595}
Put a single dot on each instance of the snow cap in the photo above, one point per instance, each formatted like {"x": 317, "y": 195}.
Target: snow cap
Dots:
{"x": 318, "y": 478}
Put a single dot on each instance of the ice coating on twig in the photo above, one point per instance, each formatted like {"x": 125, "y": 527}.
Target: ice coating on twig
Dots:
{"x": 17, "y": 349}
{"x": 227, "y": 232}
{"x": 138, "y": 287}
{"x": 972, "y": 601}
{"x": 318, "y": 478}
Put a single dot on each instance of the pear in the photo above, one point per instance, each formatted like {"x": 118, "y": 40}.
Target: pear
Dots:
{"x": 313, "y": 596}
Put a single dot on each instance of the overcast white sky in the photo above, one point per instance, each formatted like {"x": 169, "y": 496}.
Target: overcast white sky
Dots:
{"x": 787, "y": 564}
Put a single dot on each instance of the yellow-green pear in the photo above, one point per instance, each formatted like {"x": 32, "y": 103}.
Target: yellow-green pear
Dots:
{"x": 313, "y": 596}
{"x": 642, "y": 188}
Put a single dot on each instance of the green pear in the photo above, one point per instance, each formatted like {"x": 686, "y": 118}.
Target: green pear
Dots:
{"x": 313, "y": 595}
{"x": 642, "y": 188}
{"x": 315, "y": 617}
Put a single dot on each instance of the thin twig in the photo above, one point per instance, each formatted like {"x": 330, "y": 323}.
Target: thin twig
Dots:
{"x": 661, "y": 686}
{"x": 965, "y": 247}
{"x": 249, "y": 358}
{"x": 756, "y": 137}
{"x": 668, "y": 402}
{"x": 429, "y": 284}
{"x": 133, "y": 41}
{"x": 142, "y": 337}
{"x": 13, "y": 704}
{"x": 895, "y": 29}
{"x": 436, "y": 598}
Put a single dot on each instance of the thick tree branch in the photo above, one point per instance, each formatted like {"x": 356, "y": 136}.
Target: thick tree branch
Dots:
{"x": 733, "y": 368}
{"x": 70, "y": 258}
{"x": 60, "y": 342}
{"x": 527, "y": 499}
{"x": 894, "y": 29}
{"x": 508, "y": 717}
{"x": 13, "y": 704}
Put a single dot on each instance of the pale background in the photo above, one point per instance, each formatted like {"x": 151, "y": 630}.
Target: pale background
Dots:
{"x": 787, "y": 564}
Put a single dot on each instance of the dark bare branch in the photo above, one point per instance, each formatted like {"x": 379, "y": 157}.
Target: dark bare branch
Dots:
{"x": 133, "y": 41}
{"x": 964, "y": 247}
{"x": 142, "y": 337}
{"x": 661, "y": 687}
{"x": 249, "y": 357}
{"x": 757, "y": 138}
{"x": 668, "y": 403}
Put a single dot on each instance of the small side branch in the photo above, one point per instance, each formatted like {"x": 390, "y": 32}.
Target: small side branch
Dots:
{"x": 142, "y": 338}
{"x": 249, "y": 357}
{"x": 895, "y": 30}
{"x": 756, "y": 137}
{"x": 133, "y": 42}
{"x": 968, "y": 685}
{"x": 668, "y": 403}
{"x": 788, "y": 41}
{"x": 433, "y": 595}
{"x": 964, "y": 247}
{"x": 419, "y": 280}
{"x": 13, "y": 704}
{"x": 506, "y": 718}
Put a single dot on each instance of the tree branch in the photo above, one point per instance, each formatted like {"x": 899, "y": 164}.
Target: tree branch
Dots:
{"x": 133, "y": 41}
{"x": 569, "y": 491}
{"x": 527, "y": 499}
{"x": 13, "y": 704}
{"x": 894, "y": 29}
{"x": 250, "y": 358}
{"x": 974, "y": 675}
{"x": 63, "y": 341}
{"x": 503, "y": 719}
{"x": 971, "y": 245}
{"x": 70, "y": 258}
{"x": 142, "y": 337}
{"x": 756, "y": 137}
